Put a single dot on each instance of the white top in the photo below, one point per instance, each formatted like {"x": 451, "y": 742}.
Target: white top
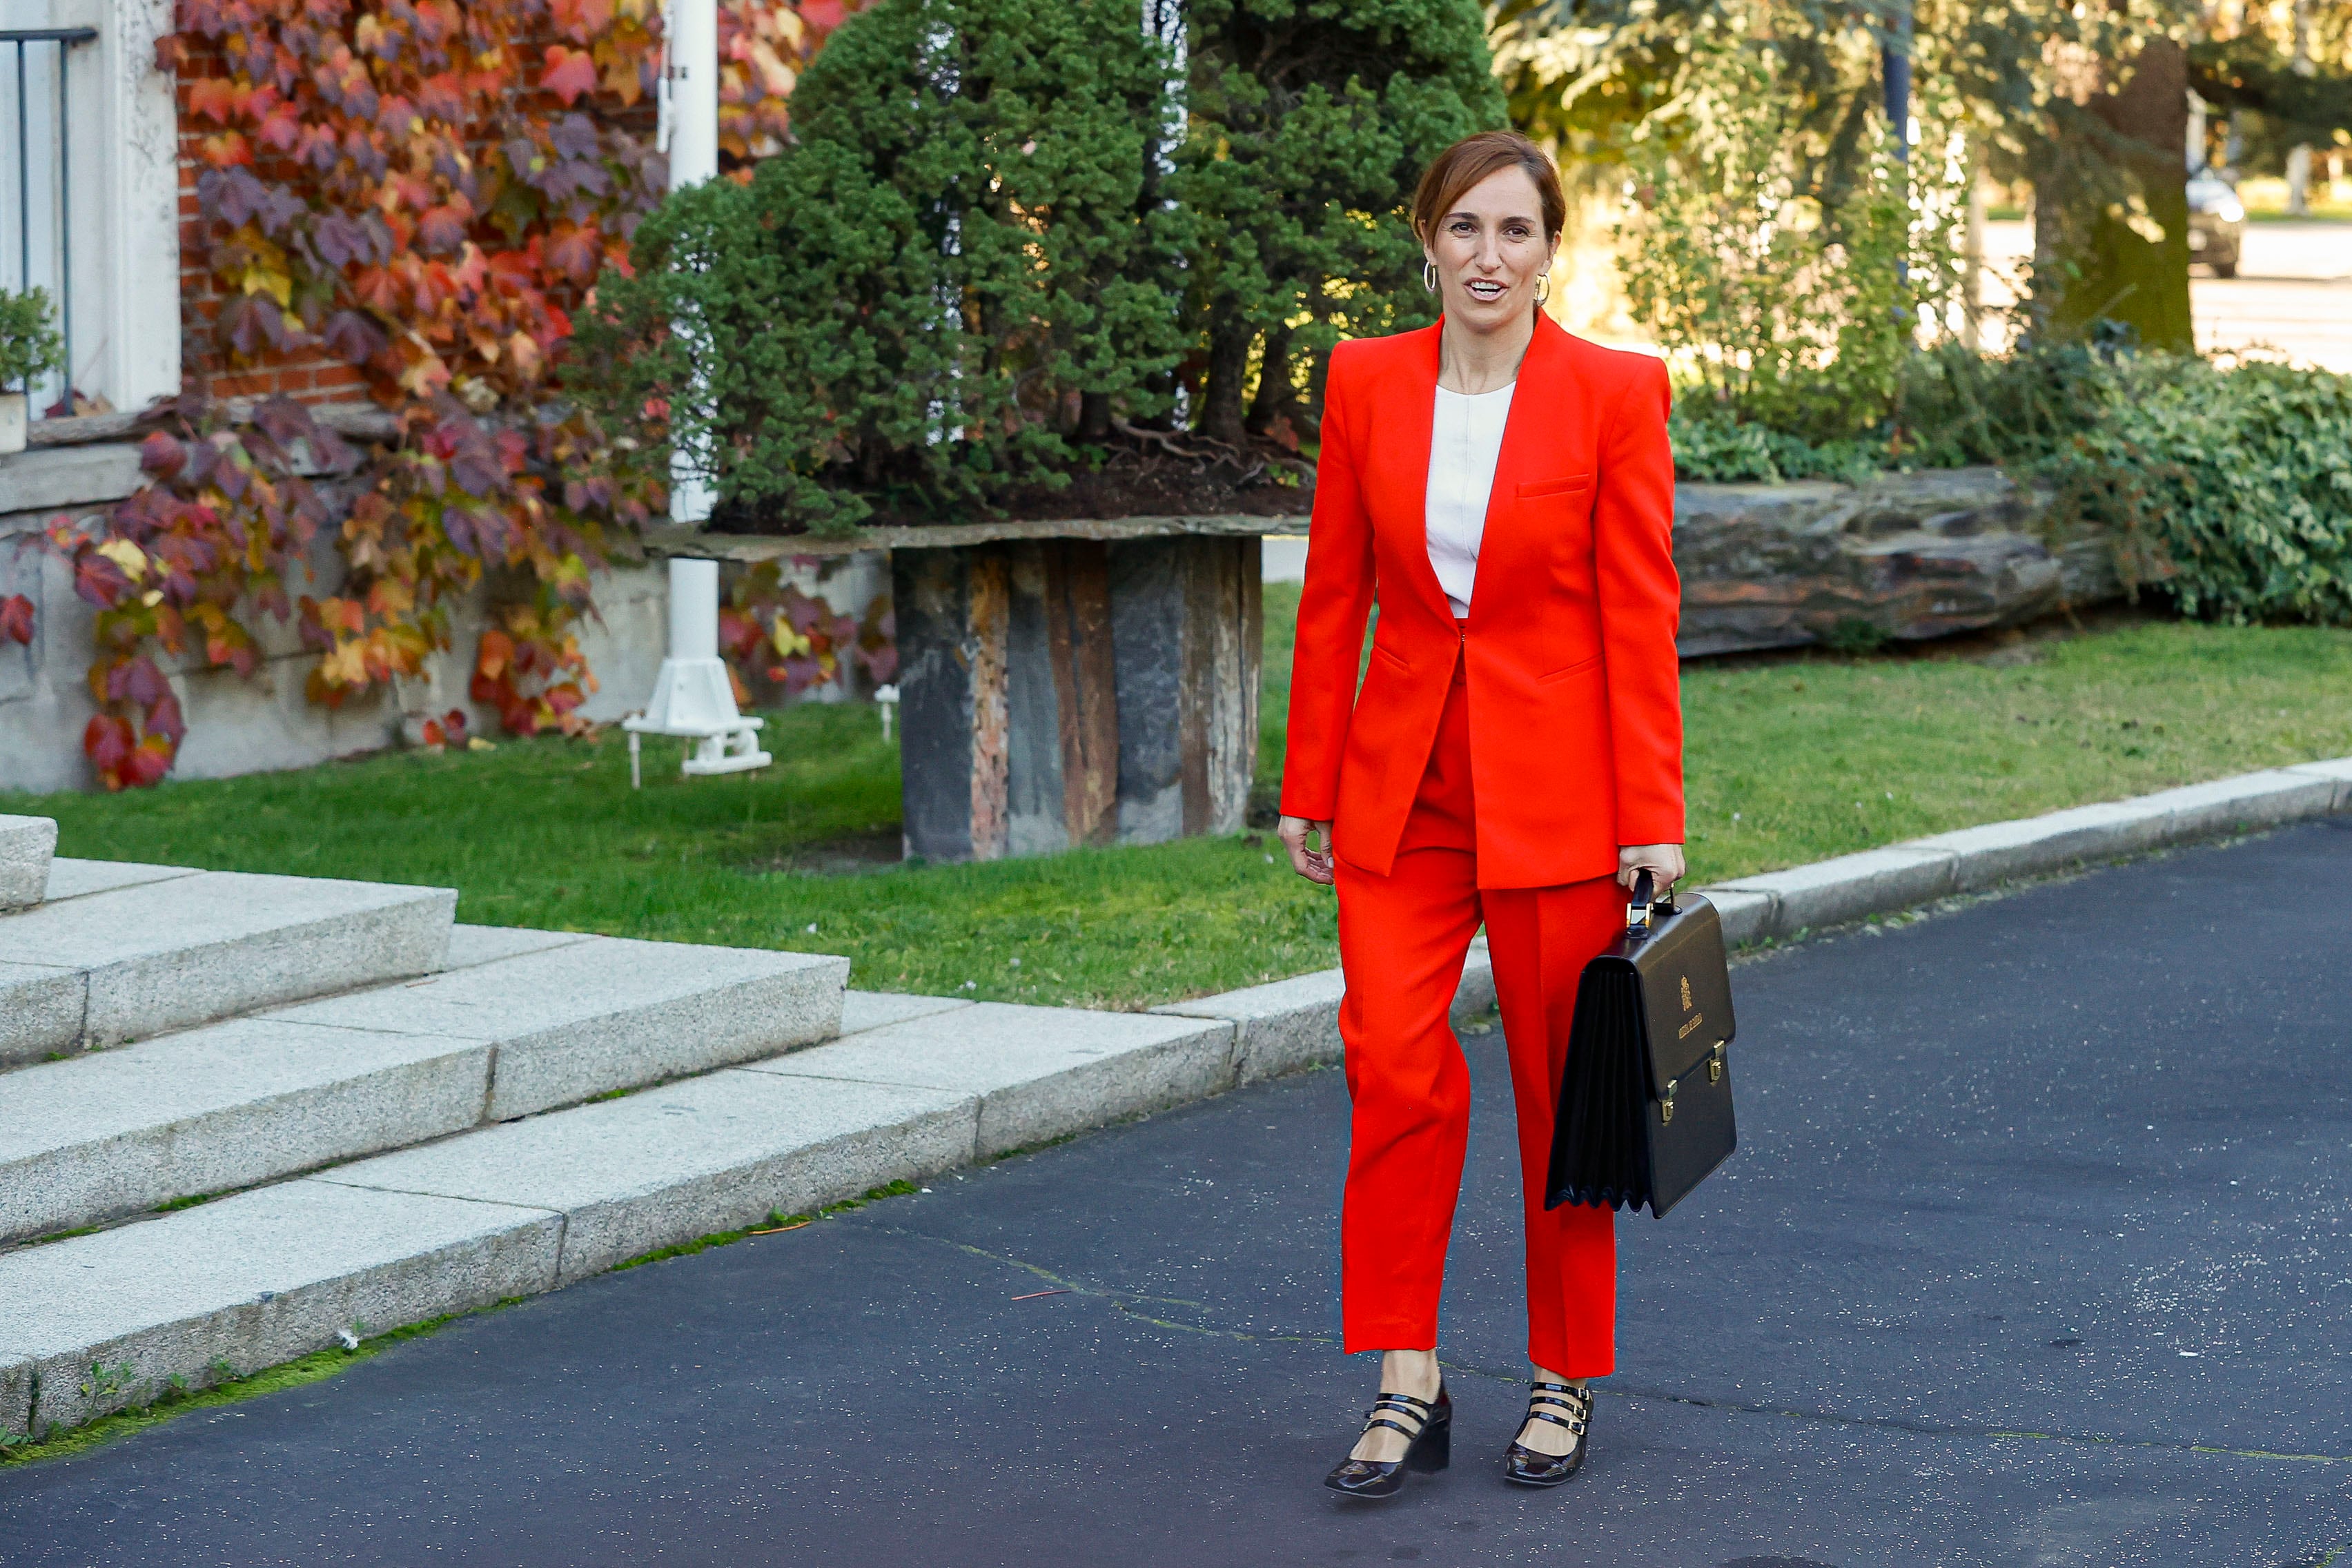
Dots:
{"x": 1464, "y": 447}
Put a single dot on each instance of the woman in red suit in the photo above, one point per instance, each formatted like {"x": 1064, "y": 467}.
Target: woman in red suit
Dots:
{"x": 1505, "y": 493}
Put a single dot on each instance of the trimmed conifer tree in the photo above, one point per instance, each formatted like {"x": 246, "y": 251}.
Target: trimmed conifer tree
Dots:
{"x": 1310, "y": 123}
{"x": 955, "y": 266}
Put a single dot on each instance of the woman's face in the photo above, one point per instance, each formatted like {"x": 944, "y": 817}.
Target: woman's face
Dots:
{"x": 1489, "y": 250}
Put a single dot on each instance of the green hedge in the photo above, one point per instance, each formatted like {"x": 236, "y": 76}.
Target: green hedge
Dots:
{"x": 2227, "y": 486}
{"x": 2232, "y": 487}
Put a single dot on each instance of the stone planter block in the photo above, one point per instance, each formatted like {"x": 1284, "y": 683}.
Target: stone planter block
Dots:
{"x": 1061, "y": 692}
{"x": 1910, "y": 555}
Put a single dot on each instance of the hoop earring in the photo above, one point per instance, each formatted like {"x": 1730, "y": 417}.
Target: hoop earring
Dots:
{"x": 1429, "y": 276}
{"x": 1543, "y": 287}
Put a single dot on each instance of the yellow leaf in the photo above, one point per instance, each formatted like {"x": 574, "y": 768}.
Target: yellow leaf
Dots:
{"x": 260, "y": 280}
{"x": 127, "y": 555}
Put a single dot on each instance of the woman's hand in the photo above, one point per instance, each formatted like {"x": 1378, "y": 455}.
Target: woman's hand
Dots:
{"x": 1315, "y": 865}
{"x": 1662, "y": 861}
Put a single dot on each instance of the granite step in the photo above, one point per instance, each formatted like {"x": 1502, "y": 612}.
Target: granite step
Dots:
{"x": 26, "y": 844}
{"x": 154, "y": 953}
{"x": 98, "y": 1322}
{"x": 524, "y": 1021}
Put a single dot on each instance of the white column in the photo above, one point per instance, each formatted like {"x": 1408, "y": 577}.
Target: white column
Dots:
{"x": 132, "y": 170}
{"x": 690, "y": 123}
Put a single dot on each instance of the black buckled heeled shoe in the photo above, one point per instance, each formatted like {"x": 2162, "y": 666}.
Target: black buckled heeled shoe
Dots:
{"x": 1532, "y": 1466}
{"x": 1428, "y": 1445}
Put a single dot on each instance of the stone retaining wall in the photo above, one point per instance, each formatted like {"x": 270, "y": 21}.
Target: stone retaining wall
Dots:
{"x": 241, "y": 725}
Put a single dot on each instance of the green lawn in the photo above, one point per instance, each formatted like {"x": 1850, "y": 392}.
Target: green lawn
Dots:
{"x": 1790, "y": 761}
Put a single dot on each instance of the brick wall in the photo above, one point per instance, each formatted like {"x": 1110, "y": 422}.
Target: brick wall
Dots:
{"x": 312, "y": 376}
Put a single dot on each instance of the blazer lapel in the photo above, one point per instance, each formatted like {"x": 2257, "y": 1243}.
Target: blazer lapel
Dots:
{"x": 1535, "y": 410}
{"x": 1401, "y": 437}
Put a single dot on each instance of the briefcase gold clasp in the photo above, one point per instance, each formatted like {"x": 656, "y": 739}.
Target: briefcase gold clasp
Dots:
{"x": 1666, "y": 1106}
{"x": 1715, "y": 1064}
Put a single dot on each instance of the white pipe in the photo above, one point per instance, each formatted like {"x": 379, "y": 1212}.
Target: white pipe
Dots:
{"x": 693, "y": 608}
{"x": 691, "y": 76}
{"x": 693, "y": 60}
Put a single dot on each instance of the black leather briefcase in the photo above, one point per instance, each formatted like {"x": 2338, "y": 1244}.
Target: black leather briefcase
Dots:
{"x": 1646, "y": 1098}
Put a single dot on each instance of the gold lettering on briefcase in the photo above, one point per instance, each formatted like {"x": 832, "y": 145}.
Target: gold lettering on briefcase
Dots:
{"x": 1695, "y": 1020}
{"x": 1686, "y": 1004}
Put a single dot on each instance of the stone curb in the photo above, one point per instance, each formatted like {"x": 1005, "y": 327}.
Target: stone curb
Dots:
{"x": 1780, "y": 904}
{"x": 1290, "y": 1025}
{"x": 924, "y": 1085}
{"x": 1294, "y": 1024}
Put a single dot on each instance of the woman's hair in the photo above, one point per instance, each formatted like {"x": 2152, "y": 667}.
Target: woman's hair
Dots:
{"x": 1471, "y": 160}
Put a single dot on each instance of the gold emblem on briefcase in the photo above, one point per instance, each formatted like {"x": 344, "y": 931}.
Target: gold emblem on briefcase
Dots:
{"x": 1687, "y": 1000}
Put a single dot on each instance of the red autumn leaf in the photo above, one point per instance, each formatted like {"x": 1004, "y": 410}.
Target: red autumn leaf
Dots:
{"x": 148, "y": 761}
{"x": 162, "y": 456}
{"x": 496, "y": 652}
{"x": 442, "y": 97}
{"x": 215, "y": 97}
{"x": 582, "y": 20}
{"x": 575, "y": 252}
{"x": 16, "y": 618}
{"x": 107, "y": 741}
{"x": 225, "y": 150}
{"x": 98, "y": 579}
{"x": 442, "y": 229}
{"x": 280, "y": 130}
{"x": 163, "y": 719}
{"x": 570, "y": 73}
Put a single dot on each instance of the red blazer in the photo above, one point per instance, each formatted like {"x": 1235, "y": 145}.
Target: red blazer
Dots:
{"x": 1575, "y": 693}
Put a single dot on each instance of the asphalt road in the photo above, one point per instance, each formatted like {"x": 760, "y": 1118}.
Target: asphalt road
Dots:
{"x": 2036, "y": 1253}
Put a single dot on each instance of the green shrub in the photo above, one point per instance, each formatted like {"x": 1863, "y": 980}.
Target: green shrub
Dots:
{"x": 2232, "y": 487}
{"x": 1958, "y": 407}
{"x": 921, "y": 301}
{"x": 30, "y": 346}
{"x": 1777, "y": 246}
{"x": 1714, "y": 446}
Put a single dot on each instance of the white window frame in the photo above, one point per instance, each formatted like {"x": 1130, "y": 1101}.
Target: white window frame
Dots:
{"x": 122, "y": 133}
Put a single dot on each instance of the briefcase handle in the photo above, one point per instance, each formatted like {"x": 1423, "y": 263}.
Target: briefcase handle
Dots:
{"x": 1647, "y": 901}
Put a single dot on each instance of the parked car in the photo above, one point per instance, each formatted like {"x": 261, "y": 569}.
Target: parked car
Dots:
{"x": 2217, "y": 222}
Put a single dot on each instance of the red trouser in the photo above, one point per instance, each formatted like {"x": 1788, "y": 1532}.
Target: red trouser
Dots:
{"x": 1402, "y": 938}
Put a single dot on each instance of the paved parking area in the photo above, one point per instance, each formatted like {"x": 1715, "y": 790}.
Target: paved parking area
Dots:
{"x": 2036, "y": 1252}
{"x": 2293, "y": 293}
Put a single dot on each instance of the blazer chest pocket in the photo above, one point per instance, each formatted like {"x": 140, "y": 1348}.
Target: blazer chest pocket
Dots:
{"x": 1536, "y": 489}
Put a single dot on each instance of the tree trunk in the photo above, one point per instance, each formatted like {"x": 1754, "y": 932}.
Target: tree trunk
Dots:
{"x": 2127, "y": 266}
{"x": 1221, "y": 397}
{"x": 1094, "y": 416}
{"x": 1274, "y": 390}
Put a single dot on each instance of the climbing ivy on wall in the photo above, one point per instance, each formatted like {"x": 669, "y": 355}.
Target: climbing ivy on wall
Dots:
{"x": 425, "y": 190}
